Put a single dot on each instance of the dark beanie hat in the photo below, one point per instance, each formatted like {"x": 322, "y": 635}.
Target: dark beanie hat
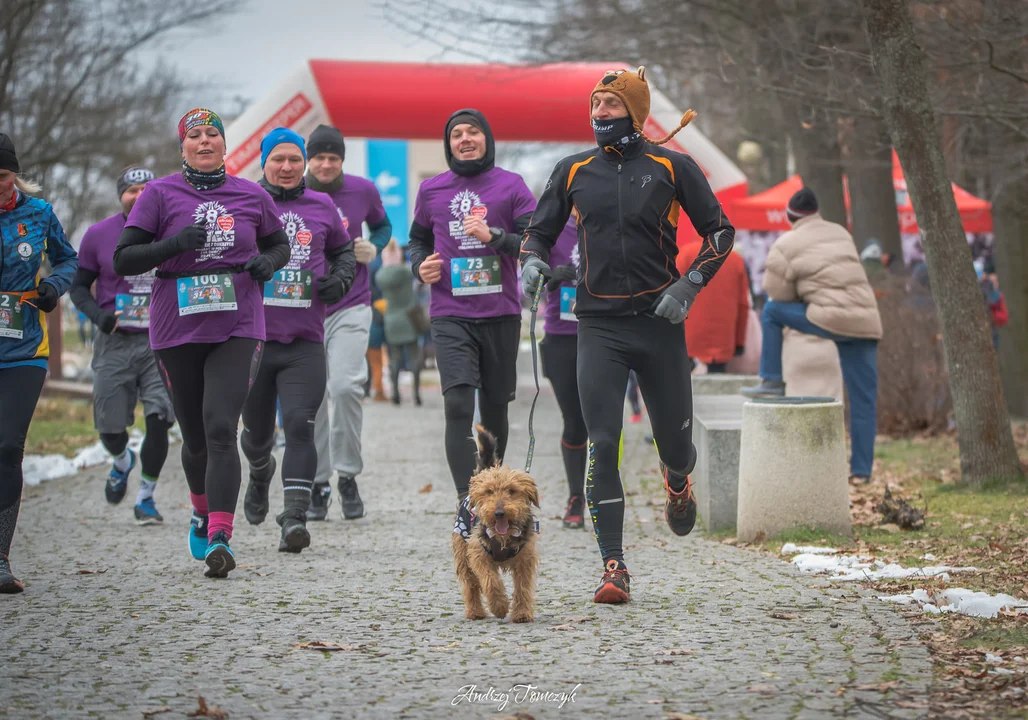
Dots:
{"x": 8, "y": 158}
{"x": 803, "y": 203}
{"x": 326, "y": 139}
{"x": 133, "y": 175}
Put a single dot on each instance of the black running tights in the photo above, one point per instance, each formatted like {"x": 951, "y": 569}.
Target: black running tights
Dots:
{"x": 560, "y": 366}
{"x": 461, "y": 450}
{"x": 19, "y": 392}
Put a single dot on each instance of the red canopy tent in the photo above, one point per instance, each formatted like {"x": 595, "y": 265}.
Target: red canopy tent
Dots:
{"x": 766, "y": 211}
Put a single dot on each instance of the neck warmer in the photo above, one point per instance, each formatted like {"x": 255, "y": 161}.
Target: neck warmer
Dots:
{"x": 617, "y": 133}
{"x": 278, "y": 192}
{"x": 203, "y": 180}
{"x": 317, "y": 186}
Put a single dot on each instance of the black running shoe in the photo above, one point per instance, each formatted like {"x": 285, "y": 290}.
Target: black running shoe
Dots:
{"x": 255, "y": 504}
{"x": 295, "y": 536}
{"x": 574, "y": 515}
{"x": 321, "y": 498}
{"x": 353, "y": 507}
{"x": 9, "y": 585}
{"x": 680, "y": 509}
{"x": 615, "y": 585}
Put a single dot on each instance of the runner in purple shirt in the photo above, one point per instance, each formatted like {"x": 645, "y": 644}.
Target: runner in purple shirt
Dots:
{"x": 215, "y": 240}
{"x": 124, "y": 366}
{"x": 559, "y": 353}
{"x": 319, "y": 272}
{"x": 337, "y": 433}
{"x": 464, "y": 243}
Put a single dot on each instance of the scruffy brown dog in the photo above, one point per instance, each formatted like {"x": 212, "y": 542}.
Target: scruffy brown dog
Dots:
{"x": 495, "y": 531}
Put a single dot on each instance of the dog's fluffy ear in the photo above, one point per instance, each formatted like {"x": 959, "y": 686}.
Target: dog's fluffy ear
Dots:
{"x": 487, "y": 451}
{"x": 531, "y": 491}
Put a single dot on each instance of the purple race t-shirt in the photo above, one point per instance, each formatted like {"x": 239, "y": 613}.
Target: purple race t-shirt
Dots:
{"x": 291, "y": 306}
{"x": 477, "y": 282}
{"x": 198, "y": 309}
{"x": 130, "y": 295}
{"x": 559, "y": 312}
{"x": 358, "y": 202}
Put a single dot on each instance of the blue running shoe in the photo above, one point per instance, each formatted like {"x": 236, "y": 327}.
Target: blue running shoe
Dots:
{"x": 146, "y": 513}
{"x": 220, "y": 560}
{"x": 198, "y": 536}
{"x": 117, "y": 482}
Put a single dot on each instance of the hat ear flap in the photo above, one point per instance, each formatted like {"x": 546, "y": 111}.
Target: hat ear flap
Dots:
{"x": 641, "y": 72}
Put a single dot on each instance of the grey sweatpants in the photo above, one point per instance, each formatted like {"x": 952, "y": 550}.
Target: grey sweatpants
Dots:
{"x": 337, "y": 430}
{"x": 124, "y": 372}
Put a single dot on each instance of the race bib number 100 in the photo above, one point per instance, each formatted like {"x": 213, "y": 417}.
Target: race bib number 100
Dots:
{"x": 11, "y": 318}
{"x": 476, "y": 275}
{"x": 134, "y": 309}
{"x": 206, "y": 293}
{"x": 290, "y": 288}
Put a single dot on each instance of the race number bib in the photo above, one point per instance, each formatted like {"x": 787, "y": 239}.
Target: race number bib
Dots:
{"x": 206, "y": 293}
{"x": 11, "y": 318}
{"x": 134, "y": 309}
{"x": 476, "y": 275}
{"x": 290, "y": 288}
{"x": 567, "y": 303}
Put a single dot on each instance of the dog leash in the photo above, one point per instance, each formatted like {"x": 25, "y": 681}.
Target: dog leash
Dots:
{"x": 535, "y": 373}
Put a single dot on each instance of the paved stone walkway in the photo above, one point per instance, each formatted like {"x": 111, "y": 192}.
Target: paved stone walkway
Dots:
{"x": 118, "y": 620}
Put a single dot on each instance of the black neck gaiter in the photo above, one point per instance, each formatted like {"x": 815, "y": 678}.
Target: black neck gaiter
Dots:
{"x": 317, "y": 186}
{"x": 278, "y": 192}
{"x": 203, "y": 180}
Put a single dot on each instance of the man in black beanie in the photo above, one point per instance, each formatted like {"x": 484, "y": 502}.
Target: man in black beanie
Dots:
{"x": 337, "y": 430}
{"x": 816, "y": 284}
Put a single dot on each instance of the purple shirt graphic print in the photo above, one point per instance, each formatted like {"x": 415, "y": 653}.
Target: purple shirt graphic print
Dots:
{"x": 114, "y": 293}
{"x": 216, "y": 301}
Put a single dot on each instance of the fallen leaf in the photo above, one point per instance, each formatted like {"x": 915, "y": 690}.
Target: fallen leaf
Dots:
{"x": 426, "y": 489}
{"x": 562, "y": 627}
{"x": 769, "y": 689}
{"x": 158, "y": 711}
{"x": 965, "y": 526}
{"x": 882, "y": 687}
{"x": 729, "y": 541}
{"x": 675, "y": 652}
{"x": 783, "y": 616}
{"x": 327, "y": 646}
{"x": 92, "y": 572}
{"x": 910, "y": 704}
{"x": 579, "y": 619}
{"x": 209, "y": 712}
{"x": 663, "y": 662}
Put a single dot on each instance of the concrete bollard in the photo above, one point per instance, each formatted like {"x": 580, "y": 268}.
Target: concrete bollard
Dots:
{"x": 792, "y": 468}
{"x": 721, "y": 384}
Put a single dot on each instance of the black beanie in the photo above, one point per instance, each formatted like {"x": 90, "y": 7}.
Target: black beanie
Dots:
{"x": 8, "y": 158}
{"x": 133, "y": 175}
{"x": 469, "y": 168}
{"x": 326, "y": 139}
{"x": 803, "y": 203}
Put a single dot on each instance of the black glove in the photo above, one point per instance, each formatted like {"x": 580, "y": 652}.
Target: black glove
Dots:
{"x": 48, "y": 297}
{"x": 331, "y": 289}
{"x": 261, "y": 268}
{"x": 739, "y": 350}
{"x": 107, "y": 322}
{"x": 533, "y": 271}
{"x": 192, "y": 237}
{"x": 561, "y": 274}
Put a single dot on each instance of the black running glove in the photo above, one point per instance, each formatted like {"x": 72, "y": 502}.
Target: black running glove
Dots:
{"x": 192, "y": 237}
{"x": 331, "y": 289}
{"x": 261, "y": 268}
{"x": 561, "y": 274}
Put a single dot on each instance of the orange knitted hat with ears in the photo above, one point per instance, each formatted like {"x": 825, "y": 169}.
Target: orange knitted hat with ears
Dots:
{"x": 634, "y": 92}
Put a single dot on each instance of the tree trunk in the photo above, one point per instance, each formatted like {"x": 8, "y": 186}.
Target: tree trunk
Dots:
{"x": 985, "y": 439}
{"x": 819, "y": 161}
{"x": 1010, "y": 223}
{"x": 872, "y": 195}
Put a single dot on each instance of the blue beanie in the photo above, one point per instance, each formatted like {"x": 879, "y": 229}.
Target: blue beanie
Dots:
{"x": 278, "y": 136}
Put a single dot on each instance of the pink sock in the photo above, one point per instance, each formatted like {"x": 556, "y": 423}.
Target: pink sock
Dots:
{"x": 219, "y": 521}
{"x": 199, "y": 503}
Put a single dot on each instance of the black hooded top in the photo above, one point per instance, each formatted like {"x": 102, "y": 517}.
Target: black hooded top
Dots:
{"x": 467, "y": 168}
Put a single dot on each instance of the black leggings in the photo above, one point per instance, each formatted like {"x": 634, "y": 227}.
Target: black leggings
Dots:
{"x": 208, "y": 383}
{"x": 154, "y": 450}
{"x": 461, "y": 451}
{"x": 608, "y": 347}
{"x": 413, "y": 364}
{"x": 19, "y": 392}
{"x": 560, "y": 366}
{"x": 294, "y": 373}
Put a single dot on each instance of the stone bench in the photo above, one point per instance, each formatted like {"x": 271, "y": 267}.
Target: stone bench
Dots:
{"x": 721, "y": 384}
{"x": 717, "y": 435}
{"x": 793, "y": 470}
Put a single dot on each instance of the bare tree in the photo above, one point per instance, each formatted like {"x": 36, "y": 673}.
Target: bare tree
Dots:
{"x": 987, "y": 448}
{"x": 75, "y": 99}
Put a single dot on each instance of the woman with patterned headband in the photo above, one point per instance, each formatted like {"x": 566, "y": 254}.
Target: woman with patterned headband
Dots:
{"x": 214, "y": 240}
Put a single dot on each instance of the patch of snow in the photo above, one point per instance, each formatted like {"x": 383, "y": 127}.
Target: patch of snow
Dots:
{"x": 964, "y": 602}
{"x": 38, "y": 468}
{"x": 849, "y": 567}
{"x": 1001, "y": 671}
{"x": 792, "y": 549}
{"x": 928, "y": 556}
{"x": 990, "y": 658}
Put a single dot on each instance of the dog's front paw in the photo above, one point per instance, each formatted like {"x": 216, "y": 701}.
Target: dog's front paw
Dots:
{"x": 499, "y": 608}
{"x": 522, "y": 616}
{"x": 477, "y": 613}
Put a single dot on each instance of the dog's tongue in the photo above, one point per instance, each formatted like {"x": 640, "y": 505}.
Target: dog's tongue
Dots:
{"x": 501, "y": 526}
